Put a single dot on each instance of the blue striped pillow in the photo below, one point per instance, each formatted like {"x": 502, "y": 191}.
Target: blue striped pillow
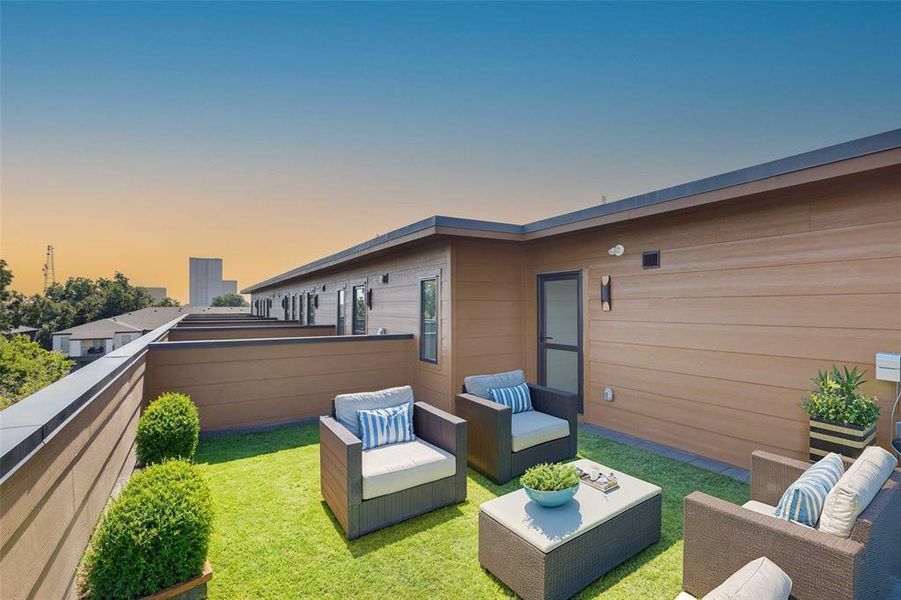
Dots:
{"x": 803, "y": 501}
{"x": 381, "y": 426}
{"x": 516, "y": 397}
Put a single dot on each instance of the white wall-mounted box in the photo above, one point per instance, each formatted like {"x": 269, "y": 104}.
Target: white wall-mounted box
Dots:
{"x": 888, "y": 366}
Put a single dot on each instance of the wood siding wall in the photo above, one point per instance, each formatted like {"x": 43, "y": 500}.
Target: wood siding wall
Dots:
{"x": 239, "y": 385}
{"x": 395, "y": 307}
{"x": 183, "y": 334}
{"x": 51, "y": 503}
{"x": 488, "y": 328}
{"x": 713, "y": 351}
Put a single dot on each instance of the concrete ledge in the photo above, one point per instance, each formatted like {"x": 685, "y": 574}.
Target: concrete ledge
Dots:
{"x": 26, "y": 424}
{"x": 324, "y": 339}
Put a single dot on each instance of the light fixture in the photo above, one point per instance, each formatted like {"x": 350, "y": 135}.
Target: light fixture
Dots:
{"x": 616, "y": 250}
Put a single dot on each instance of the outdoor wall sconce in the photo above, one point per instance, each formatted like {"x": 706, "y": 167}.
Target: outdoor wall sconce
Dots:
{"x": 384, "y": 278}
{"x": 323, "y": 287}
{"x": 316, "y": 301}
{"x": 605, "y": 293}
{"x": 369, "y": 299}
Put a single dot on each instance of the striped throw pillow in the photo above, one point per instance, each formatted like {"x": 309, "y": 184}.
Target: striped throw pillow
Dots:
{"x": 381, "y": 426}
{"x": 516, "y": 397}
{"x": 803, "y": 501}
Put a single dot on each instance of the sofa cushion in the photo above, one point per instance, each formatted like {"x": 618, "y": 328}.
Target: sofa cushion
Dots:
{"x": 396, "y": 467}
{"x": 759, "y": 507}
{"x": 347, "y": 405}
{"x": 531, "y": 428}
{"x": 516, "y": 397}
{"x": 803, "y": 501}
{"x": 380, "y": 426}
{"x": 855, "y": 490}
{"x": 760, "y": 579}
{"x": 478, "y": 385}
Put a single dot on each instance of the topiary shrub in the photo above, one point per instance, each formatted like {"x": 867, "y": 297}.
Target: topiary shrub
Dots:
{"x": 154, "y": 535}
{"x": 169, "y": 428}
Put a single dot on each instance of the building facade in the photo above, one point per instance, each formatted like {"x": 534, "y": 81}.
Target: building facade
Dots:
{"x": 694, "y": 316}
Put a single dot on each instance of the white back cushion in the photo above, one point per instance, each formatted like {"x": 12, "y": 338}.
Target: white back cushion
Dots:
{"x": 760, "y": 579}
{"x": 347, "y": 405}
{"x": 855, "y": 490}
{"x": 478, "y": 385}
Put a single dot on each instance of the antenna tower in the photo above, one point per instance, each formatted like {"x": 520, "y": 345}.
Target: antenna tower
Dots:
{"x": 49, "y": 269}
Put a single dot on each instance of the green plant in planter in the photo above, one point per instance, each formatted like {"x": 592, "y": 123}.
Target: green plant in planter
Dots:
{"x": 169, "y": 428}
{"x": 836, "y": 397}
{"x": 155, "y": 534}
{"x": 550, "y": 477}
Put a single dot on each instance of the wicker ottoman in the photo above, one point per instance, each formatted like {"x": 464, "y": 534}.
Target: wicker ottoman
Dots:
{"x": 555, "y": 552}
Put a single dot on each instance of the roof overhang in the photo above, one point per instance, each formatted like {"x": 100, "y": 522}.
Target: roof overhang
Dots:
{"x": 857, "y": 156}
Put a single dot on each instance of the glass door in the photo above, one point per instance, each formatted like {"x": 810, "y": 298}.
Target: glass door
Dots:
{"x": 560, "y": 332}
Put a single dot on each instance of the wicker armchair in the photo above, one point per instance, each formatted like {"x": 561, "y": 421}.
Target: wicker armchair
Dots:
{"x": 341, "y": 473}
{"x": 720, "y": 537}
{"x": 490, "y": 448}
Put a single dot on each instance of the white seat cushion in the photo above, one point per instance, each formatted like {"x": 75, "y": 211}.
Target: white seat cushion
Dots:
{"x": 347, "y": 405}
{"x": 760, "y": 579}
{"x": 855, "y": 490}
{"x": 396, "y": 467}
{"x": 759, "y": 507}
{"x": 478, "y": 385}
{"x": 685, "y": 596}
{"x": 531, "y": 428}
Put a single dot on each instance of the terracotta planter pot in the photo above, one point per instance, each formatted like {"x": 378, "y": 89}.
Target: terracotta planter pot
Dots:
{"x": 843, "y": 438}
{"x": 192, "y": 589}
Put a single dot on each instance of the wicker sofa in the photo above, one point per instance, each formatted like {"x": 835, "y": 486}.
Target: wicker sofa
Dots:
{"x": 720, "y": 537}
{"x": 343, "y": 469}
{"x": 491, "y": 449}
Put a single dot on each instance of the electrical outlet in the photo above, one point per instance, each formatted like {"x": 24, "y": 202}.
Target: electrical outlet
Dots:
{"x": 608, "y": 394}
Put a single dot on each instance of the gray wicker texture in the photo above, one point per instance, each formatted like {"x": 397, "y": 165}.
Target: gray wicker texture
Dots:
{"x": 720, "y": 537}
{"x": 568, "y": 568}
{"x": 490, "y": 449}
{"x": 341, "y": 479}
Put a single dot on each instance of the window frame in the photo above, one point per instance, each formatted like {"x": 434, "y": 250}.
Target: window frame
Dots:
{"x": 422, "y": 320}
{"x": 341, "y": 310}
{"x": 354, "y": 320}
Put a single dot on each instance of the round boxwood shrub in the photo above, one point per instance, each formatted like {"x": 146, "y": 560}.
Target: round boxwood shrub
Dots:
{"x": 169, "y": 428}
{"x": 154, "y": 535}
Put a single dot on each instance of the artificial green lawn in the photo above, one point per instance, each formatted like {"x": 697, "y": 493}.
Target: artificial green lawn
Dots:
{"x": 274, "y": 537}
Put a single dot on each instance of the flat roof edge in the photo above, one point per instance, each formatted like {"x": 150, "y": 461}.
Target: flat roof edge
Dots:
{"x": 880, "y": 142}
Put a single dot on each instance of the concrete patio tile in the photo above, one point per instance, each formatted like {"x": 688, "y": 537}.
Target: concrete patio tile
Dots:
{"x": 742, "y": 475}
{"x": 710, "y": 464}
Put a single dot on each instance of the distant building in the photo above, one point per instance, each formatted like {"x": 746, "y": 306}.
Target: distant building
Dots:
{"x": 229, "y": 286}
{"x": 205, "y": 280}
{"x": 156, "y": 293}
{"x": 88, "y": 342}
{"x": 29, "y": 332}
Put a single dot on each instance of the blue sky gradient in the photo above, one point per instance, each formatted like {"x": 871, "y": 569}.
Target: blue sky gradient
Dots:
{"x": 341, "y": 121}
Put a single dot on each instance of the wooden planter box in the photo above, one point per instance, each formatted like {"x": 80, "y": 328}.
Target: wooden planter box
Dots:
{"x": 192, "y": 589}
{"x": 843, "y": 438}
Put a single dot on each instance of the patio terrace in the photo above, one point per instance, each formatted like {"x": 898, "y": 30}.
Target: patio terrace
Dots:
{"x": 275, "y": 537}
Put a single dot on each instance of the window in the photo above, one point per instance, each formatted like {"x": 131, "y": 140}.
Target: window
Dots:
{"x": 294, "y": 307}
{"x": 428, "y": 319}
{"x": 311, "y": 308}
{"x": 300, "y": 309}
{"x": 339, "y": 322}
{"x": 359, "y": 314}
{"x": 95, "y": 346}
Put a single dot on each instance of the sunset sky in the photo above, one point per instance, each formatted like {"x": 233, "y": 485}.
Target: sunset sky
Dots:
{"x": 137, "y": 135}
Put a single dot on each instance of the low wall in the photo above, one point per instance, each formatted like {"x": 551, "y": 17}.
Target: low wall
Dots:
{"x": 63, "y": 450}
{"x": 232, "y": 322}
{"x": 249, "y": 383}
{"x": 231, "y": 332}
